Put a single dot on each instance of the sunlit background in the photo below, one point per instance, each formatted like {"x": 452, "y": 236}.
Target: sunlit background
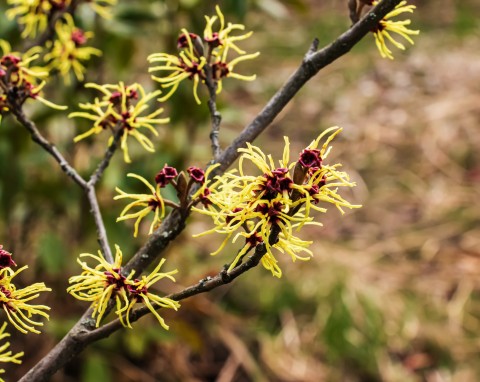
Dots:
{"x": 392, "y": 293}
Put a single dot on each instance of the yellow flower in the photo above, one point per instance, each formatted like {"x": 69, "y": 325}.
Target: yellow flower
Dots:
{"x": 220, "y": 42}
{"x": 197, "y": 54}
{"x": 139, "y": 290}
{"x": 387, "y": 26}
{"x": 271, "y": 205}
{"x": 15, "y": 301}
{"x": 186, "y": 65}
{"x": 152, "y": 202}
{"x": 223, "y": 68}
{"x": 68, "y": 51}
{"x": 34, "y": 14}
{"x": 103, "y": 7}
{"x": 121, "y": 107}
{"x": 6, "y": 355}
{"x": 222, "y": 39}
{"x": 17, "y": 73}
{"x": 106, "y": 281}
{"x": 100, "y": 284}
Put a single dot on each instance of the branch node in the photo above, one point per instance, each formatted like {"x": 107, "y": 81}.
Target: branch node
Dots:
{"x": 314, "y": 46}
{"x": 226, "y": 278}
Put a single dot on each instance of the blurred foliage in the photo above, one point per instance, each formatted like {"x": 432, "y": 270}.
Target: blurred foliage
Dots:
{"x": 393, "y": 292}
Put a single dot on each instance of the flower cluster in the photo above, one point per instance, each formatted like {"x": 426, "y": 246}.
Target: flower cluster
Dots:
{"x": 386, "y": 26}
{"x": 154, "y": 202}
{"x": 268, "y": 207}
{"x": 68, "y": 50}
{"x": 121, "y": 108}
{"x": 15, "y": 302}
{"x": 19, "y": 80}
{"x": 199, "y": 57}
{"x": 35, "y": 15}
{"x": 7, "y": 355}
{"x": 105, "y": 281}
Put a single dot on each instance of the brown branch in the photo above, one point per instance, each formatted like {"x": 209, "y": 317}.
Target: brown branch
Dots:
{"x": 101, "y": 231}
{"x": 102, "y": 166}
{"x": 82, "y": 334}
{"x": 205, "y": 285}
{"x": 215, "y": 116}
{"x": 88, "y": 188}
{"x": 38, "y": 138}
{"x": 312, "y": 63}
{"x": 156, "y": 243}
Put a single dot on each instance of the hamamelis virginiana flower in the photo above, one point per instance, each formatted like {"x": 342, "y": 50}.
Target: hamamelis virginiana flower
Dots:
{"x": 139, "y": 291}
{"x": 68, "y": 50}
{"x": 386, "y": 26}
{"x": 34, "y": 14}
{"x": 220, "y": 42}
{"x": 7, "y": 355}
{"x": 17, "y": 72}
{"x": 178, "y": 68}
{"x": 105, "y": 281}
{"x": 267, "y": 208}
{"x": 99, "y": 284}
{"x": 222, "y": 38}
{"x": 122, "y": 107}
{"x": 223, "y": 68}
{"x": 146, "y": 203}
{"x": 154, "y": 203}
{"x": 197, "y": 55}
{"x": 15, "y": 302}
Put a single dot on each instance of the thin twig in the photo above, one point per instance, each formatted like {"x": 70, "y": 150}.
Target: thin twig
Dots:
{"x": 89, "y": 190}
{"x": 79, "y": 337}
{"x": 101, "y": 231}
{"x": 97, "y": 175}
{"x": 215, "y": 116}
{"x": 38, "y": 138}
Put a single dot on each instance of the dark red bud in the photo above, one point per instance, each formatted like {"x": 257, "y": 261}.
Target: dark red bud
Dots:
{"x": 197, "y": 174}
{"x": 166, "y": 175}
{"x": 6, "y": 260}
{"x": 310, "y": 158}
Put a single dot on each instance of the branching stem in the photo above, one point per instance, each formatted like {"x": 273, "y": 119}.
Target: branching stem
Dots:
{"x": 82, "y": 333}
{"x": 87, "y": 187}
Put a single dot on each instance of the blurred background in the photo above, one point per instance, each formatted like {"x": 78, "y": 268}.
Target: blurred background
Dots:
{"x": 393, "y": 291}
